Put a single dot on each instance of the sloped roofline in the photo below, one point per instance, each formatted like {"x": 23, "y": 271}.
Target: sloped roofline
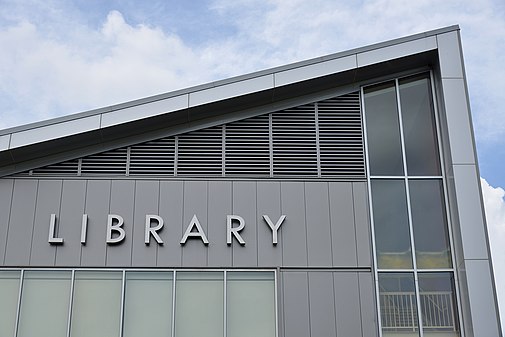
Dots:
{"x": 118, "y": 114}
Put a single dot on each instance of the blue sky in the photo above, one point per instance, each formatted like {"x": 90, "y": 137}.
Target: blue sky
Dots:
{"x": 62, "y": 57}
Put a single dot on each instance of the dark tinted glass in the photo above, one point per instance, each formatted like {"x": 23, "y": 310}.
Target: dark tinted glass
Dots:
{"x": 383, "y": 132}
{"x": 431, "y": 236}
{"x": 419, "y": 128}
{"x": 391, "y": 224}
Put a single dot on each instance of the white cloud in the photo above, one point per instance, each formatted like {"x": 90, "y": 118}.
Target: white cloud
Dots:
{"x": 494, "y": 204}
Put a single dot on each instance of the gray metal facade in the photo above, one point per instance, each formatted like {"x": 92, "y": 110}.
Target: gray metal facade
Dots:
{"x": 324, "y": 258}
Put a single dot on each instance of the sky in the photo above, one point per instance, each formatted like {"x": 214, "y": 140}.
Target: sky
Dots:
{"x": 63, "y": 57}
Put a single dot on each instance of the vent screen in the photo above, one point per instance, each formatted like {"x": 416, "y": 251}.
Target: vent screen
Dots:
{"x": 321, "y": 139}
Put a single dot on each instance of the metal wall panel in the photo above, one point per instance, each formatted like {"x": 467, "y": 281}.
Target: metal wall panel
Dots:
{"x": 220, "y": 204}
{"x": 368, "y": 304}
{"x": 48, "y": 202}
{"x": 171, "y": 211}
{"x": 19, "y": 236}
{"x": 194, "y": 252}
{"x": 322, "y": 305}
{"x": 343, "y": 234}
{"x": 346, "y": 287}
{"x": 6, "y": 187}
{"x": 318, "y": 224}
{"x": 122, "y": 203}
{"x": 244, "y": 205}
{"x": 97, "y": 209}
{"x": 269, "y": 203}
{"x": 362, "y": 224}
{"x": 146, "y": 202}
{"x": 296, "y": 304}
{"x": 294, "y": 231}
{"x": 73, "y": 204}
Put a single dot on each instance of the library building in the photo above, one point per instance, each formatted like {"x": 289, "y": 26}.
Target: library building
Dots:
{"x": 337, "y": 196}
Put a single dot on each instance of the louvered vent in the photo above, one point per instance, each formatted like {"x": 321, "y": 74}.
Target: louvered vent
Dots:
{"x": 153, "y": 158}
{"x": 67, "y": 168}
{"x": 294, "y": 142}
{"x": 321, "y": 139}
{"x": 201, "y": 152}
{"x": 248, "y": 147}
{"x": 340, "y": 136}
{"x": 106, "y": 163}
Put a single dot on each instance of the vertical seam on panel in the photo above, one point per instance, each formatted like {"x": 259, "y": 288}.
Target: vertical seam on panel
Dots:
{"x": 9, "y": 221}
{"x": 334, "y": 302}
{"x": 305, "y": 224}
{"x": 157, "y": 213}
{"x": 330, "y": 219}
{"x": 307, "y": 274}
{"x": 84, "y": 209}
{"x": 256, "y": 220}
{"x": 182, "y": 220}
{"x": 282, "y": 242}
{"x": 207, "y": 218}
{"x": 59, "y": 222}
{"x": 133, "y": 216}
{"x": 232, "y": 212}
{"x": 360, "y": 304}
{"x": 106, "y": 244}
{"x": 356, "y": 251}
{"x": 33, "y": 221}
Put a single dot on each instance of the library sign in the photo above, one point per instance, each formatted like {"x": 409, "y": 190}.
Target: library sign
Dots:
{"x": 115, "y": 233}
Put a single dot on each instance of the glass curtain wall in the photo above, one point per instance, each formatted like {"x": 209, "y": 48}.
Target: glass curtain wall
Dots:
{"x": 123, "y": 303}
{"x": 411, "y": 236}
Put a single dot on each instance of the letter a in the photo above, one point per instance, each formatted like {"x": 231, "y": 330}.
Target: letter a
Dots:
{"x": 198, "y": 234}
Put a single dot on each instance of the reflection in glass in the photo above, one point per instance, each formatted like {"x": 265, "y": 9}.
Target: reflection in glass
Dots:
{"x": 438, "y": 304}
{"x": 9, "y": 290}
{"x": 431, "y": 235}
{"x": 199, "y": 304}
{"x": 419, "y": 127}
{"x": 250, "y": 304}
{"x": 44, "y": 303}
{"x": 96, "y": 308}
{"x": 398, "y": 304}
{"x": 392, "y": 236}
{"x": 148, "y": 304}
{"x": 383, "y": 130}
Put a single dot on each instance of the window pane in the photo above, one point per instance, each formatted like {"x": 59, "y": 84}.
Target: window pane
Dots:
{"x": 44, "y": 303}
{"x": 152, "y": 290}
{"x": 199, "y": 304}
{"x": 96, "y": 308}
{"x": 383, "y": 130}
{"x": 419, "y": 127}
{"x": 398, "y": 304}
{"x": 9, "y": 291}
{"x": 431, "y": 235}
{"x": 250, "y": 304}
{"x": 438, "y": 304}
{"x": 391, "y": 224}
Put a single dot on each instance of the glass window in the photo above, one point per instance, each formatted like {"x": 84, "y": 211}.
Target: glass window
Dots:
{"x": 96, "y": 308}
{"x": 438, "y": 304}
{"x": 45, "y": 302}
{"x": 431, "y": 235}
{"x": 9, "y": 291}
{"x": 148, "y": 304}
{"x": 250, "y": 304}
{"x": 383, "y": 130}
{"x": 391, "y": 223}
{"x": 398, "y": 304}
{"x": 419, "y": 127}
{"x": 199, "y": 303}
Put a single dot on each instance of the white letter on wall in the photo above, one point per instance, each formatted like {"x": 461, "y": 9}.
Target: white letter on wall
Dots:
{"x": 52, "y": 228}
{"x": 199, "y": 231}
{"x": 111, "y": 227}
{"x": 234, "y": 230}
{"x": 273, "y": 227}
{"x": 153, "y": 230}
{"x": 84, "y": 228}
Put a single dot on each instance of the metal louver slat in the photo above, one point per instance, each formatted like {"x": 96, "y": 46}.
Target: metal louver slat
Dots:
{"x": 66, "y": 168}
{"x": 340, "y": 137}
{"x": 200, "y": 152}
{"x": 153, "y": 158}
{"x": 247, "y": 147}
{"x": 106, "y": 163}
{"x": 294, "y": 142}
